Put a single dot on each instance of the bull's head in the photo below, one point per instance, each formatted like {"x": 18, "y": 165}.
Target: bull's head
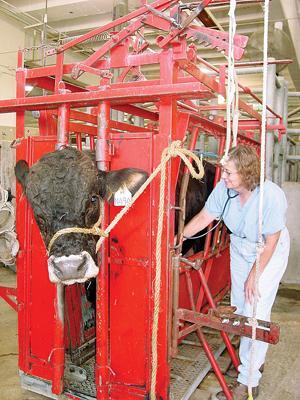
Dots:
{"x": 65, "y": 189}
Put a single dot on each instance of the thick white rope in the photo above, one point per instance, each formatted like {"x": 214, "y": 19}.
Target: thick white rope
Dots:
{"x": 232, "y": 111}
{"x": 167, "y": 154}
{"x": 260, "y": 244}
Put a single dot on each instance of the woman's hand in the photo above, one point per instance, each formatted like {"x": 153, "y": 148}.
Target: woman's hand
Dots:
{"x": 269, "y": 248}
{"x": 249, "y": 287}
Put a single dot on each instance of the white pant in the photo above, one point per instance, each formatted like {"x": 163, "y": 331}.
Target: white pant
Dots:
{"x": 242, "y": 257}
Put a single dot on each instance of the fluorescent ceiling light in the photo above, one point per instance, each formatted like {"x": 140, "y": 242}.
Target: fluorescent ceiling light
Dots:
{"x": 28, "y": 88}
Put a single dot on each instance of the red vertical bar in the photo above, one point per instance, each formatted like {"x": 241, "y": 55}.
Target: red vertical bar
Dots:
{"x": 102, "y": 313}
{"x": 59, "y": 70}
{"x": 58, "y": 355}
{"x": 92, "y": 142}
{"x": 167, "y": 131}
{"x": 224, "y": 335}
{"x": 63, "y": 119}
{"x": 78, "y": 141}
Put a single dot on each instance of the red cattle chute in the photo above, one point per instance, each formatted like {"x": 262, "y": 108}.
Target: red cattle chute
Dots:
{"x": 123, "y": 322}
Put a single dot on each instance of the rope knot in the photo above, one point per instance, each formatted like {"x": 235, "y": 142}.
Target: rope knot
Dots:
{"x": 174, "y": 147}
{"x": 253, "y": 322}
{"x": 98, "y": 232}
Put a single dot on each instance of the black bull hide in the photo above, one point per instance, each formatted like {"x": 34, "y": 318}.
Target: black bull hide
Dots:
{"x": 196, "y": 196}
{"x": 65, "y": 189}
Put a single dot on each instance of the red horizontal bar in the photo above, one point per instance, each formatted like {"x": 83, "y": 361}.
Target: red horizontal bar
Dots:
{"x": 243, "y": 329}
{"x": 116, "y": 96}
{"x": 48, "y": 83}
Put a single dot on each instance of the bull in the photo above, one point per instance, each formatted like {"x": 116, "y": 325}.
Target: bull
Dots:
{"x": 65, "y": 189}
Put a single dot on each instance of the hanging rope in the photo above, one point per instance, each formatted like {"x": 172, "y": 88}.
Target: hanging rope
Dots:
{"x": 260, "y": 244}
{"x": 232, "y": 104}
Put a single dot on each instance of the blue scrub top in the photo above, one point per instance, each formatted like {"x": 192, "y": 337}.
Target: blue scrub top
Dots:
{"x": 243, "y": 220}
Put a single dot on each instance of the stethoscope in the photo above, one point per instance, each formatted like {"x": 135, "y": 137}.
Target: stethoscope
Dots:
{"x": 229, "y": 197}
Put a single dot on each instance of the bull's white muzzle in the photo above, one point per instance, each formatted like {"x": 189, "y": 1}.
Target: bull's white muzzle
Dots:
{"x": 72, "y": 269}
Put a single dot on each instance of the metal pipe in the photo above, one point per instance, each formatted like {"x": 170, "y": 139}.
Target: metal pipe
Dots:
{"x": 293, "y": 94}
{"x": 294, "y": 111}
{"x": 293, "y": 157}
{"x": 58, "y": 355}
{"x": 63, "y": 120}
{"x": 102, "y": 137}
{"x": 284, "y": 164}
{"x": 102, "y": 374}
{"x": 212, "y": 304}
{"x": 295, "y": 119}
{"x": 271, "y": 74}
{"x": 175, "y": 305}
{"x": 279, "y": 147}
{"x": 293, "y": 132}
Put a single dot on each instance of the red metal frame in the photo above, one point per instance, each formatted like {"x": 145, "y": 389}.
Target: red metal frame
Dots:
{"x": 125, "y": 291}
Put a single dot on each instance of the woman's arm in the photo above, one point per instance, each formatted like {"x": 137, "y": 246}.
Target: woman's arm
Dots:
{"x": 197, "y": 223}
{"x": 269, "y": 248}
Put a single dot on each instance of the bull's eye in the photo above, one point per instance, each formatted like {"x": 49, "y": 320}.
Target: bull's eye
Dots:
{"x": 94, "y": 199}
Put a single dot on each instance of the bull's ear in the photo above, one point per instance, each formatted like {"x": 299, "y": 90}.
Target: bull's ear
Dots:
{"x": 21, "y": 171}
{"x": 131, "y": 178}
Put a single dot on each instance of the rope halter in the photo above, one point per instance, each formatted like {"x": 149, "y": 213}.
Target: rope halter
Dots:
{"x": 94, "y": 230}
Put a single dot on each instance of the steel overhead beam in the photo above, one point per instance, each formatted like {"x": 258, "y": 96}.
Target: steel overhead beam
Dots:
{"x": 214, "y": 85}
{"x": 294, "y": 119}
{"x": 293, "y": 132}
{"x": 292, "y": 158}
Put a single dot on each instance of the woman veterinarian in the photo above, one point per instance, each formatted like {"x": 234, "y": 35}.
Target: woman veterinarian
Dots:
{"x": 235, "y": 199}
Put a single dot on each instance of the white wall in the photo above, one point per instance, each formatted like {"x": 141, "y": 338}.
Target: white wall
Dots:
{"x": 292, "y": 191}
{"x": 12, "y": 38}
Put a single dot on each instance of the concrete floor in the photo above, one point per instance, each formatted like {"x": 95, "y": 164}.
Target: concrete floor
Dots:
{"x": 280, "y": 380}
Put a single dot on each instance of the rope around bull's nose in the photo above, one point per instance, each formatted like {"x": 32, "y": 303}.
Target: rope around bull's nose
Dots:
{"x": 94, "y": 230}
{"x": 174, "y": 150}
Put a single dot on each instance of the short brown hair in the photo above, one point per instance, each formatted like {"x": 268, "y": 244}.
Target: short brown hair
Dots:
{"x": 247, "y": 164}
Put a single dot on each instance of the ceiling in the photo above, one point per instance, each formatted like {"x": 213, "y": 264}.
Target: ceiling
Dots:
{"x": 68, "y": 18}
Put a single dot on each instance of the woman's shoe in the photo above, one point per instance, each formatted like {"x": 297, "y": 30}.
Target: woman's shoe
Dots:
{"x": 233, "y": 373}
{"x": 239, "y": 392}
